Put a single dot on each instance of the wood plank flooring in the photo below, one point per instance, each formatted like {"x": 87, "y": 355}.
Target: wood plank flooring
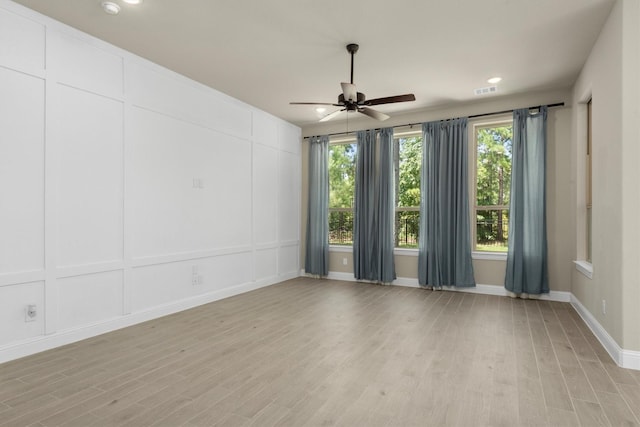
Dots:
{"x": 319, "y": 353}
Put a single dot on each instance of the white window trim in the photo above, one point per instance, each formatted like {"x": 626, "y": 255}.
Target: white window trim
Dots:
{"x": 405, "y": 252}
{"x": 396, "y": 251}
{"x": 584, "y": 267}
{"x": 489, "y": 256}
{"x": 474, "y": 125}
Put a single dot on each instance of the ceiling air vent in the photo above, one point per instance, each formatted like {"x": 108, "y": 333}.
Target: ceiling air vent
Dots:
{"x": 486, "y": 90}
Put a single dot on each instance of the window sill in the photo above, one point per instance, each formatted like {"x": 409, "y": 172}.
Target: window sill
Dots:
{"x": 396, "y": 251}
{"x": 344, "y": 249}
{"x": 489, "y": 256}
{"x": 584, "y": 267}
{"x": 405, "y": 252}
{"x": 414, "y": 252}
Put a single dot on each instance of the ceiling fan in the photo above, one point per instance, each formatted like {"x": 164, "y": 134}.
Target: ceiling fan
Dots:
{"x": 352, "y": 100}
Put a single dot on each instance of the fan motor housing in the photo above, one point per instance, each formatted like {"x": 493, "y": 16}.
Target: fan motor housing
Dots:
{"x": 360, "y": 99}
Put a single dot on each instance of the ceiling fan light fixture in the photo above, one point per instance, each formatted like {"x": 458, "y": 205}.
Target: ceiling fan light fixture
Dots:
{"x": 494, "y": 80}
{"x": 132, "y": 1}
{"x": 350, "y": 100}
{"x": 321, "y": 109}
{"x": 110, "y": 7}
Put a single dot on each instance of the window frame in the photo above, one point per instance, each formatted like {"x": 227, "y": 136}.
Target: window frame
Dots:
{"x": 588, "y": 184}
{"x": 348, "y": 140}
{"x": 396, "y": 160}
{"x": 475, "y": 125}
{"x": 396, "y": 137}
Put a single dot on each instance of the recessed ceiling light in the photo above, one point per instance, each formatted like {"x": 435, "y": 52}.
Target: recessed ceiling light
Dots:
{"x": 132, "y": 1}
{"x": 110, "y": 7}
{"x": 494, "y": 80}
{"x": 321, "y": 109}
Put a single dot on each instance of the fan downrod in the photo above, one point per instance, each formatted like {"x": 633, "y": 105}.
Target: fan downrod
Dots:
{"x": 352, "y": 48}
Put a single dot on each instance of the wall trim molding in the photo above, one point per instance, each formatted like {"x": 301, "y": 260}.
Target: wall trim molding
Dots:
{"x": 41, "y": 343}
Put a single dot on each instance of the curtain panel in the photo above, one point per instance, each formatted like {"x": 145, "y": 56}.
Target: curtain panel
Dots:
{"x": 444, "y": 246}
{"x": 317, "y": 245}
{"x": 373, "y": 233}
{"x": 527, "y": 256}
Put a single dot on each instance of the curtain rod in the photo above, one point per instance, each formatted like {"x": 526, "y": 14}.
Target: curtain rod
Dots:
{"x": 474, "y": 116}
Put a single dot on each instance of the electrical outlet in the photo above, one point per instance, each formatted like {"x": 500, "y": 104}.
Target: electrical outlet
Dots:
{"x": 344, "y": 261}
{"x": 604, "y": 306}
{"x": 30, "y": 313}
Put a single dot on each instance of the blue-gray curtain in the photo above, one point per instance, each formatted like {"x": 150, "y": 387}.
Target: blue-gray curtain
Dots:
{"x": 317, "y": 248}
{"x": 527, "y": 256}
{"x": 373, "y": 233}
{"x": 444, "y": 246}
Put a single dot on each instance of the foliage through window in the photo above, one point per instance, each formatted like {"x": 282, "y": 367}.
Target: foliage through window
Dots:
{"x": 408, "y": 159}
{"x": 342, "y": 171}
{"x": 493, "y": 182}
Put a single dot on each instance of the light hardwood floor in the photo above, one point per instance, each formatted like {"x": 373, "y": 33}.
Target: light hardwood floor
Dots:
{"x": 311, "y": 352}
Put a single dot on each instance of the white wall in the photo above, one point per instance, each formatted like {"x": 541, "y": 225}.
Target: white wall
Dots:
{"x": 120, "y": 181}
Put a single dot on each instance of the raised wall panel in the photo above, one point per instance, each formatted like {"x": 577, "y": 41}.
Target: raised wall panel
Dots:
{"x": 266, "y": 262}
{"x": 83, "y": 65}
{"x": 265, "y": 130}
{"x": 288, "y": 260}
{"x": 90, "y": 183}
{"x": 288, "y": 197}
{"x": 188, "y": 102}
{"x": 88, "y": 299}
{"x": 21, "y": 172}
{"x": 22, "y": 43}
{"x": 265, "y": 194}
{"x": 157, "y": 285}
{"x": 161, "y": 284}
{"x": 224, "y": 271}
{"x": 13, "y": 302}
{"x": 170, "y": 215}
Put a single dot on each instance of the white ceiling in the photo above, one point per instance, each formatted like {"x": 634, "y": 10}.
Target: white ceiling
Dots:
{"x": 268, "y": 53}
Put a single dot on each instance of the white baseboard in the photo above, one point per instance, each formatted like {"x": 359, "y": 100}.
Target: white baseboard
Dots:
{"x": 559, "y": 296}
{"x": 603, "y": 336}
{"x": 630, "y": 359}
{"x": 624, "y": 358}
{"x": 46, "y": 342}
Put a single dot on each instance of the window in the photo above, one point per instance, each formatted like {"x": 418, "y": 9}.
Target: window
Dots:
{"x": 408, "y": 159}
{"x": 342, "y": 171}
{"x": 342, "y": 168}
{"x": 588, "y": 184}
{"x": 493, "y": 143}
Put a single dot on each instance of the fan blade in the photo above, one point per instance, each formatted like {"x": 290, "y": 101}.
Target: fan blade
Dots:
{"x": 313, "y": 103}
{"x": 373, "y": 113}
{"x": 332, "y": 115}
{"x": 391, "y": 99}
{"x": 349, "y": 91}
